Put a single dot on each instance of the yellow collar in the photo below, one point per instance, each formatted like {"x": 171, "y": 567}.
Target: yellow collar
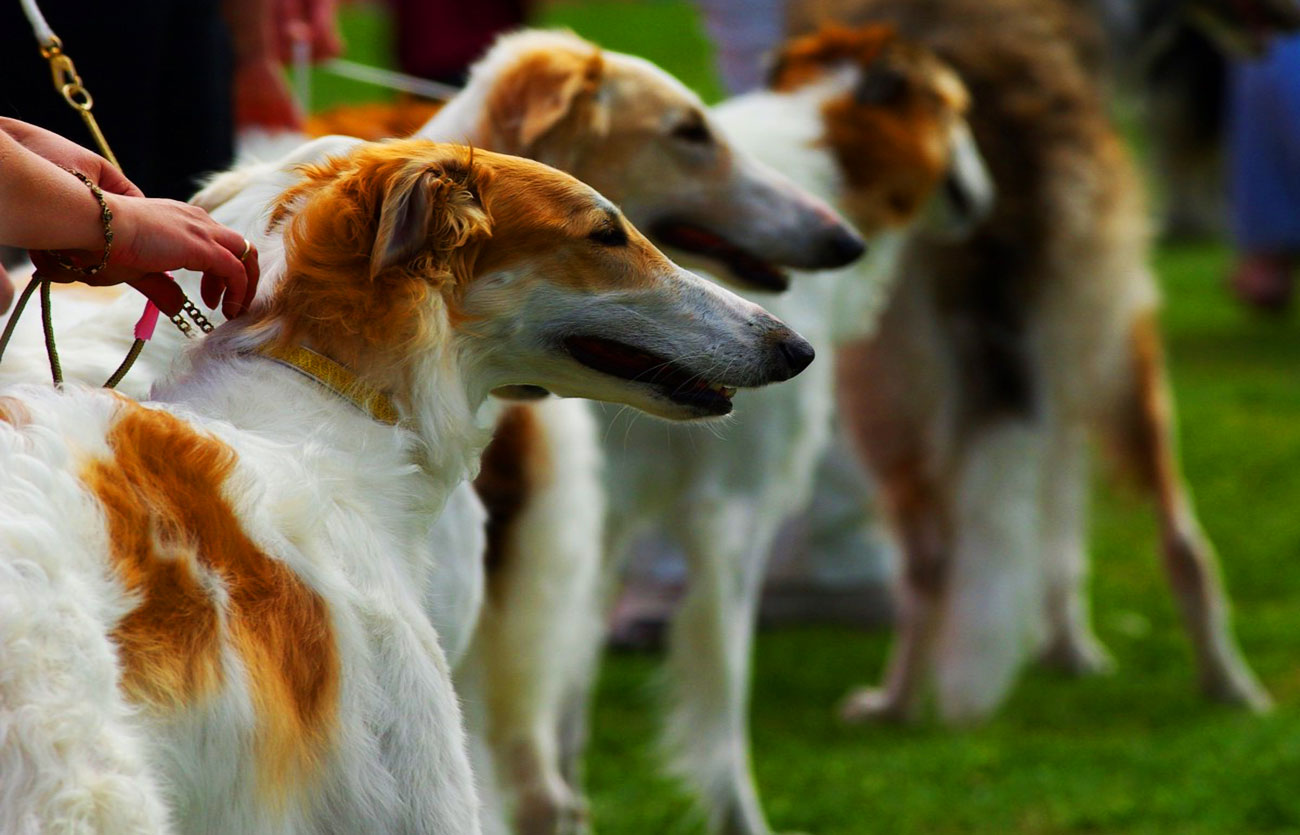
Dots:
{"x": 335, "y": 377}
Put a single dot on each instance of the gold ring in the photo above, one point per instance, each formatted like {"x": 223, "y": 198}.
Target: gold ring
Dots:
{"x": 248, "y": 247}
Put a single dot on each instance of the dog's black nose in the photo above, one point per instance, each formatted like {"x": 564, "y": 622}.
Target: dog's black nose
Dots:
{"x": 841, "y": 246}
{"x": 796, "y": 354}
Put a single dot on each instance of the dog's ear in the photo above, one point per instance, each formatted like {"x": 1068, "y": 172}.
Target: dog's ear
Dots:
{"x": 538, "y": 93}
{"x": 427, "y": 211}
{"x": 807, "y": 58}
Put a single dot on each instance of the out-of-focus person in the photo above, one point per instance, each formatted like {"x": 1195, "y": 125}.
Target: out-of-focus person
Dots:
{"x": 439, "y": 39}
{"x": 744, "y": 34}
{"x": 1264, "y": 171}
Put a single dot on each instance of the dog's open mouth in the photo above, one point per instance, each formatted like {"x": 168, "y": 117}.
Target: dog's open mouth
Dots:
{"x": 672, "y": 381}
{"x": 745, "y": 267}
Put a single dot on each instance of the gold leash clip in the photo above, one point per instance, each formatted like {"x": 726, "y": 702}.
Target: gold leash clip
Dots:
{"x": 67, "y": 82}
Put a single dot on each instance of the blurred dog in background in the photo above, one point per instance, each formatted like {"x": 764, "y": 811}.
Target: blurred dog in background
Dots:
{"x": 996, "y": 360}
{"x": 878, "y": 130}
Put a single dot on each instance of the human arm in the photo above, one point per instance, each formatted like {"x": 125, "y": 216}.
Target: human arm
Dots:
{"x": 46, "y": 208}
{"x": 262, "y": 97}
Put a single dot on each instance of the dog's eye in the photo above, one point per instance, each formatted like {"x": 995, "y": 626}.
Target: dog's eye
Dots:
{"x": 609, "y": 234}
{"x": 880, "y": 86}
{"x": 693, "y": 130}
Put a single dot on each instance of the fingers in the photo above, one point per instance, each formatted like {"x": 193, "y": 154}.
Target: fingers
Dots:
{"x": 6, "y": 290}
{"x": 161, "y": 235}
{"x": 223, "y": 272}
{"x": 162, "y": 291}
{"x": 253, "y": 271}
{"x": 326, "y": 42}
{"x": 210, "y": 289}
{"x": 112, "y": 180}
{"x": 240, "y": 289}
{"x": 47, "y": 267}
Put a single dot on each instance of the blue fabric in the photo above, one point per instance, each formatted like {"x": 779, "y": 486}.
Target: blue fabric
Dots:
{"x": 1264, "y": 149}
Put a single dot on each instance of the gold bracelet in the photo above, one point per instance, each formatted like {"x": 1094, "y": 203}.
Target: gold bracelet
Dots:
{"x": 105, "y": 217}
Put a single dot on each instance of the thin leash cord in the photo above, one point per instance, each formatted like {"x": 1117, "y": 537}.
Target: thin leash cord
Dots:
{"x": 47, "y": 323}
{"x": 116, "y": 377}
{"x": 17, "y": 313}
{"x": 69, "y": 85}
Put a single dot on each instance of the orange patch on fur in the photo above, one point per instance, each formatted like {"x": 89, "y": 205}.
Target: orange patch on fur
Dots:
{"x": 890, "y": 134}
{"x": 14, "y": 411}
{"x": 538, "y": 92}
{"x": 331, "y": 294}
{"x": 1147, "y": 447}
{"x": 806, "y": 59}
{"x": 374, "y": 120}
{"x": 201, "y": 582}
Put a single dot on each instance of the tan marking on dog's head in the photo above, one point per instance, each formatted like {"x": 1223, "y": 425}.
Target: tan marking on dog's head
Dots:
{"x": 373, "y": 121}
{"x": 201, "y": 582}
{"x": 382, "y": 242}
{"x": 890, "y": 134}
{"x": 539, "y": 91}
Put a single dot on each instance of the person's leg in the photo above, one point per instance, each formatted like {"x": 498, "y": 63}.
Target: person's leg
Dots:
{"x": 1264, "y": 153}
{"x": 745, "y": 32}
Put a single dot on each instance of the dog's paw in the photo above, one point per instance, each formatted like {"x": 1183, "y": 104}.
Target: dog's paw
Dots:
{"x": 1079, "y": 656}
{"x": 872, "y": 704}
{"x": 1239, "y": 687}
{"x": 542, "y": 813}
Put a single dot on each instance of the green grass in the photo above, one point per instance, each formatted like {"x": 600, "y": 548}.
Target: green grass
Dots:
{"x": 666, "y": 32}
{"x": 1137, "y": 752}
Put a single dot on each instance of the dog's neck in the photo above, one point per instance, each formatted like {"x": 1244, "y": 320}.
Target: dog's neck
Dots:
{"x": 435, "y": 446}
{"x": 461, "y": 120}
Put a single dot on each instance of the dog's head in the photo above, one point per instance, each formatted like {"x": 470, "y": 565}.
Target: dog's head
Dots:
{"x": 644, "y": 140}
{"x": 894, "y": 119}
{"x": 509, "y": 273}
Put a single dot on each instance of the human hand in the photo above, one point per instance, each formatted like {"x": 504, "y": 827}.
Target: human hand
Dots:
{"x": 69, "y": 154}
{"x": 312, "y": 21}
{"x": 6, "y": 290}
{"x": 151, "y": 236}
{"x": 262, "y": 97}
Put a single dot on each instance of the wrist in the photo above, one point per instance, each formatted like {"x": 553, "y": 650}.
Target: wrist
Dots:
{"x": 105, "y": 222}
{"x": 124, "y": 222}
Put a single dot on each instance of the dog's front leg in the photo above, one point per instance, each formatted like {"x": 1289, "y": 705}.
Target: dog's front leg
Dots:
{"x": 421, "y": 731}
{"x": 709, "y": 661}
{"x": 1071, "y": 645}
{"x": 922, "y": 523}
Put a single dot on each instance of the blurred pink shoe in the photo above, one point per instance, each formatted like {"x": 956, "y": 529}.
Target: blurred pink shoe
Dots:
{"x": 1264, "y": 281}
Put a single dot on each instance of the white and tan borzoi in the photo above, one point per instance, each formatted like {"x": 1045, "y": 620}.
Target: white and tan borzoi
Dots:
{"x": 880, "y": 135}
{"x": 610, "y": 119}
{"x": 211, "y": 606}
{"x": 997, "y": 363}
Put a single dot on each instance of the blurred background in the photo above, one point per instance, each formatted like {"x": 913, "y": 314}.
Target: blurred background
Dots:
{"x": 1135, "y": 752}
